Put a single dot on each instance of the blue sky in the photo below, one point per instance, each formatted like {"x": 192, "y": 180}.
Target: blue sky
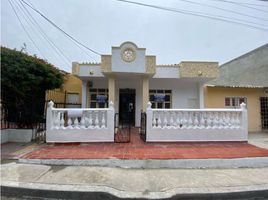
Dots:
{"x": 100, "y": 24}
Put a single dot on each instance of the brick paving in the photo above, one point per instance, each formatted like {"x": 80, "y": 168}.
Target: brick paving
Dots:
{"x": 137, "y": 149}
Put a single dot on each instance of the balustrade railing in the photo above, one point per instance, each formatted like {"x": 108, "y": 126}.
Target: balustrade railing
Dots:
{"x": 170, "y": 122}
{"x": 87, "y": 124}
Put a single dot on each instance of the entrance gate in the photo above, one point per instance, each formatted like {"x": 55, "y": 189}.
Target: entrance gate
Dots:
{"x": 122, "y": 129}
{"x": 264, "y": 113}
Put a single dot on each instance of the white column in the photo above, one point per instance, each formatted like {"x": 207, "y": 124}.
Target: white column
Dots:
{"x": 201, "y": 95}
{"x": 145, "y": 92}
{"x": 84, "y": 94}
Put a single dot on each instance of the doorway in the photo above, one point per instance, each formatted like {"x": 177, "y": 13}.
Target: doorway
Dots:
{"x": 127, "y": 106}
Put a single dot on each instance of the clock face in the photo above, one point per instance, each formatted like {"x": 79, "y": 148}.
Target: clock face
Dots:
{"x": 128, "y": 55}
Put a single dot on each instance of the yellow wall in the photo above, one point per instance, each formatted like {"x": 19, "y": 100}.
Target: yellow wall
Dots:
{"x": 214, "y": 98}
{"x": 71, "y": 84}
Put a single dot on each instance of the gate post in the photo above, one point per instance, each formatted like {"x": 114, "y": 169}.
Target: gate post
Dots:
{"x": 244, "y": 120}
{"x": 110, "y": 117}
{"x": 149, "y": 119}
{"x": 49, "y": 117}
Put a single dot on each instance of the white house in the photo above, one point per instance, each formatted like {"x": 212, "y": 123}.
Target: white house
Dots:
{"x": 130, "y": 78}
{"x": 128, "y": 82}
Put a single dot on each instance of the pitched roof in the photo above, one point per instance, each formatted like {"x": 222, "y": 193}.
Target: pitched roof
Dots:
{"x": 248, "y": 70}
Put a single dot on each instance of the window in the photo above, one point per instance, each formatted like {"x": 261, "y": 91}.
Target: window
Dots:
{"x": 160, "y": 98}
{"x": 234, "y": 102}
{"x": 98, "y": 98}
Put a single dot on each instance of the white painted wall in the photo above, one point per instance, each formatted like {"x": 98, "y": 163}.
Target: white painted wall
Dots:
{"x": 4, "y": 136}
{"x": 137, "y": 66}
{"x": 182, "y": 91}
{"x": 166, "y": 72}
{"x": 90, "y": 71}
{"x": 16, "y": 135}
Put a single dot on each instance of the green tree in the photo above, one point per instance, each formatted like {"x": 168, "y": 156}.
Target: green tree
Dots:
{"x": 24, "y": 81}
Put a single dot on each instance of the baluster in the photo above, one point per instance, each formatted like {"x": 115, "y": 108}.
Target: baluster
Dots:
{"x": 90, "y": 121}
{"x": 69, "y": 123}
{"x": 223, "y": 120}
{"x": 57, "y": 120}
{"x": 195, "y": 122}
{"x": 237, "y": 120}
{"x": 227, "y": 120}
{"x": 159, "y": 121}
{"x": 103, "y": 120}
{"x": 232, "y": 120}
{"x": 220, "y": 121}
{"x": 165, "y": 119}
{"x": 154, "y": 120}
{"x": 97, "y": 120}
{"x": 172, "y": 125}
{"x": 178, "y": 120}
{"x": 209, "y": 120}
{"x": 62, "y": 121}
{"x": 83, "y": 122}
{"x": 190, "y": 120}
{"x": 215, "y": 120}
{"x": 202, "y": 120}
{"x": 184, "y": 120}
{"x": 76, "y": 124}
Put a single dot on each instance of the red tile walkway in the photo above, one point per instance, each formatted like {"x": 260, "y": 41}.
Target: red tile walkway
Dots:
{"x": 137, "y": 149}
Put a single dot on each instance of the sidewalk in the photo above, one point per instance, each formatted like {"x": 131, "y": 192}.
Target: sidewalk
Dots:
{"x": 80, "y": 182}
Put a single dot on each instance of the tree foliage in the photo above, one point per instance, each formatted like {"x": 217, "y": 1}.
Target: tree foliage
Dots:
{"x": 24, "y": 80}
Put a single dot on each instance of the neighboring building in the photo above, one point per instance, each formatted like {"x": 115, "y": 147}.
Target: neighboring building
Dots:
{"x": 244, "y": 79}
{"x": 130, "y": 78}
{"x": 69, "y": 95}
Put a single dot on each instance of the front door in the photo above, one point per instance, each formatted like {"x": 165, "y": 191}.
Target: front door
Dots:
{"x": 127, "y": 106}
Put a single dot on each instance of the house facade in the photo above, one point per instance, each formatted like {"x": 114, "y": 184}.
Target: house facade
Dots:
{"x": 130, "y": 79}
{"x": 69, "y": 94}
{"x": 243, "y": 79}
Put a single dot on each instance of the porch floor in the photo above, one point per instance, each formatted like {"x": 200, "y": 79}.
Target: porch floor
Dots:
{"x": 137, "y": 149}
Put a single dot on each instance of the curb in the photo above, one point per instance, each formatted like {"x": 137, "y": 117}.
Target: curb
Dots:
{"x": 212, "y": 163}
{"x": 54, "y": 191}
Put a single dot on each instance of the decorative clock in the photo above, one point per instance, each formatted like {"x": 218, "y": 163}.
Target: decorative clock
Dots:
{"x": 128, "y": 54}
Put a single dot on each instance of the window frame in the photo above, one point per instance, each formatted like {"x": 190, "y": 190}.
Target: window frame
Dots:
{"x": 98, "y": 91}
{"x": 234, "y": 101}
{"x": 164, "y": 103}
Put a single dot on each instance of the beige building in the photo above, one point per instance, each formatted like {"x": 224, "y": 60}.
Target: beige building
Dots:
{"x": 243, "y": 79}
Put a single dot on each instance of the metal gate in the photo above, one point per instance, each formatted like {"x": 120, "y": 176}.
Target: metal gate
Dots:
{"x": 143, "y": 126}
{"x": 122, "y": 129}
{"x": 264, "y": 112}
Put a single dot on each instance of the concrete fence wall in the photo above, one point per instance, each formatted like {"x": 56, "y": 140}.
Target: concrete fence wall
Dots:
{"x": 170, "y": 125}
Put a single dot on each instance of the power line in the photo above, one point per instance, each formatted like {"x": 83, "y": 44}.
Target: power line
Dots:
{"x": 252, "y": 4}
{"x": 198, "y": 14}
{"x": 241, "y": 4}
{"x": 43, "y": 34}
{"x": 85, "y": 52}
{"x": 227, "y": 10}
{"x": 51, "y": 22}
{"x": 29, "y": 36}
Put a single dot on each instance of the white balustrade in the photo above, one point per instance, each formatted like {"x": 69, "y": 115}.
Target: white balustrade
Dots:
{"x": 85, "y": 124}
{"x": 199, "y": 124}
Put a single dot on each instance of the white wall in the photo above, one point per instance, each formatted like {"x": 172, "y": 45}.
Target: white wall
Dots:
{"x": 166, "y": 72}
{"x": 16, "y": 135}
{"x": 137, "y": 66}
{"x": 182, "y": 91}
{"x": 86, "y": 69}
